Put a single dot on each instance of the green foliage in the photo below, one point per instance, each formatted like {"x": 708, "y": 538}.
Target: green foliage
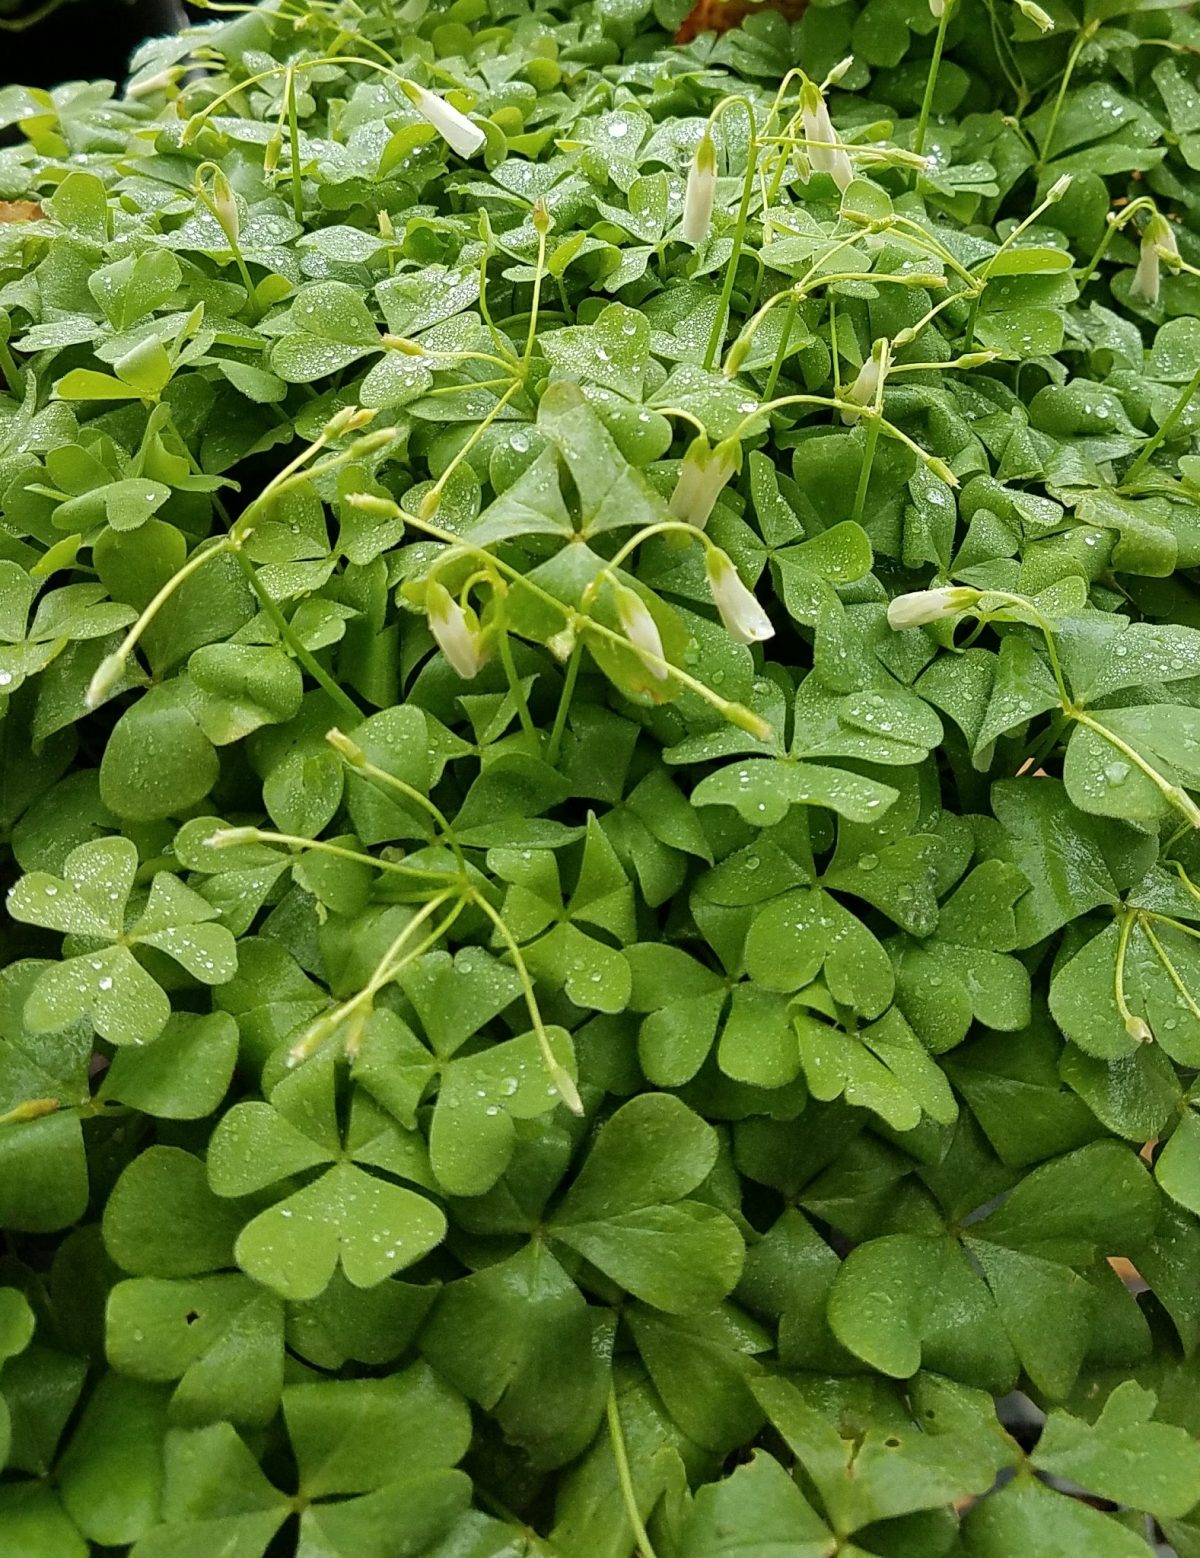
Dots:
{"x": 600, "y": 787}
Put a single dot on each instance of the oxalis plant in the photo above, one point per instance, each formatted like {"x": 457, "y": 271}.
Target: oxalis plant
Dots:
{"x": 600, "y": 783}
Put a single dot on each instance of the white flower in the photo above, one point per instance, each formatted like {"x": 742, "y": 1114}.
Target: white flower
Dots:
{"x": 458, "y": 132}
{"x": 1148, "y": 276}
{"x": 456, "y": 631}
{"x": 641, "y": 630}
{"x": 825, "y": 150}
{"x": 1158, "y": 244}
{"x": 922, "y": 606}
{"x": 700, "y": 193}
{"x": 1036, "y": 15}
{"x": 866, "y": 386}
{"x": 702, "y": 476}
{"x": 745, "y": 620}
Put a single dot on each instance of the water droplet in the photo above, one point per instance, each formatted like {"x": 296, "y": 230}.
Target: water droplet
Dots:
{"x": 868, "y": 862}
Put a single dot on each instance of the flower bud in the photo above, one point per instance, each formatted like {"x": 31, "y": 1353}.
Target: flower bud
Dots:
{"x": 1137, "y": 1028}
{"x": 562, "y": 645}
{"x": 866, "y": 386}
{"x": 1036, "y": 15}
{"x": 541, "y": 218}
{"x": 922, "y": 606}
{"x": 1059, "y": 188}
{"x": 456, "y": 631}
{"x": 744, "y": 619}
{"x": 106, "y": 676}
{"x": 937, "y": 8}
{"x": 1147, "y": 279}
{"x": 701, "y": 478}
{"x": 838, "y": 71}
{"x": 225, "y": 207}
{"x": 372, "y": 503}
{"x": 348, "y": 420}
{"x": 642, "y": 631}
{"x": 700, "y": 193}
{"x": 271, "y": 154}
{"x": 346, "y": 747}
{"x": 825, "y": 149}
{"x": 462, "y": 136}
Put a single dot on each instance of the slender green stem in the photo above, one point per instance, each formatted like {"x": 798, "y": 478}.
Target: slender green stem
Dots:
{"x": 616, "y": 1435}
{"x": 1086, "y": 34}
{"x": 1177, "y": 798}
{"x": 294, "y": 149}
{"x": 1132, "y": 1024}
{"x": 1164, "y": 431}
{"x": 196, "y": 561}
{"x": 563, "y": 1082}
{"x": 570, "y": 677}
{"x": 352, "y": 754}
{"x": 433, "y": 496}
{"x": 302, "y": 653}
{"x": 226, "y": 837}
{"x": 935, "y": 64}
{"x": 720, "y": 323}
{"x": 785, "y": 337}
{"x": 1170, "y": 970}
{"x": 864, "y": 475}
{"x": 536, "y": 301}
{"x": 517, "y": 691}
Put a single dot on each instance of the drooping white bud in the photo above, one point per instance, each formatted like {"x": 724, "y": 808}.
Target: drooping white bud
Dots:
{"x": 456, "y": 631}
{"x": 642, "y": 631}
{"x": 937, "y": 8}
{"x": 1036, "y": 15}
{"x": 922, "y": 606}
{"x": 700, "y": 193}
{"x": 866, "y": 386}
{"x": 825, "y": 150}
{"x": 745, "y": 620}
{"x": 1158, "y": 244}
{"x": 459, "y": 133}
{"x": 702, "y": 476}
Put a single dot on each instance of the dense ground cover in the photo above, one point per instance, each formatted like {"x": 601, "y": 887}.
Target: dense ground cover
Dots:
{"x": 601, "y": 703}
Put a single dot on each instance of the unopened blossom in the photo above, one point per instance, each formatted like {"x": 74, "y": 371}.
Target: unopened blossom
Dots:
{"x": 1158, "y": 244}
{"x": 641, "y": 630}
{"x": 456, "y": 631}
{"x": 225, "y": 206}
{"x": 744, "y": 619}
{"x": 701, "y": 478}
{"x": 866, "y": 386}
{"x": 922, "y": 606}
{"x": 1036, "y": 15}
{"x": 825, "y": 150}
{"x": 700, "y": 193}
{"x": 458, "y": 132}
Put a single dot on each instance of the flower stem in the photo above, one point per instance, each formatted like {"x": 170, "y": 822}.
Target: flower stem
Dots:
{"x": 616, "y": 1435}
{"x": 935, "y": 64}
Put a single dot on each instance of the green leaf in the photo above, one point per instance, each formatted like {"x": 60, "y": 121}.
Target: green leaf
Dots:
{"x": 1027, "y": 1516}
{"x": 1123, "y": 1456}
{"x": 757, "y": 1512}
{"x": 372, "y": 1227}
{"x": 220, "y": 1337}
{"x": 520, "y": 1341}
